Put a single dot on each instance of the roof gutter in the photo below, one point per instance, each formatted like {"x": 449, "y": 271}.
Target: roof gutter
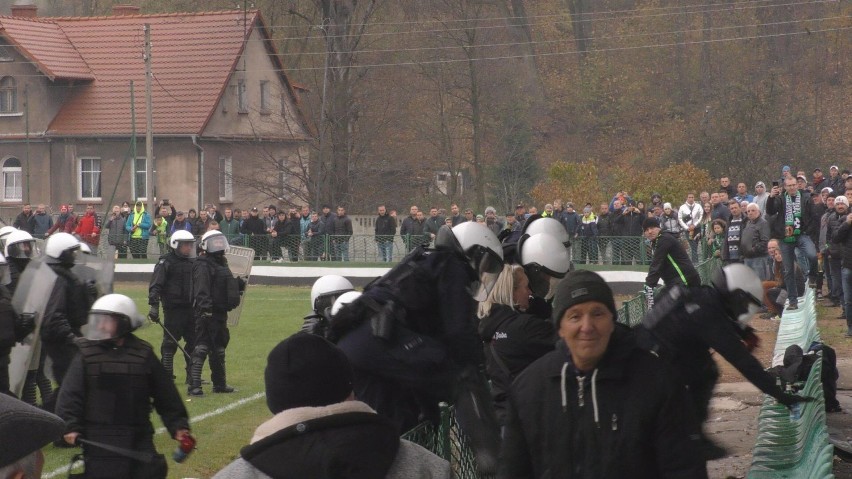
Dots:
{"x": 200, "y": 170}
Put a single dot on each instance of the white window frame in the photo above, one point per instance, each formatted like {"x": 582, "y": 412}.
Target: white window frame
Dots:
{"x": 226, "y": 178}
{"x": 242, "y": 97}
{"x": 80, "y": 174}
{"x": 135, "y": 193}
{"x": 17, "y": 174}
{"x": 12, "y": 92}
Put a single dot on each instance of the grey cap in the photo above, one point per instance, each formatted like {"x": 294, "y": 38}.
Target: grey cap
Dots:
{"x": 25, "y": 429}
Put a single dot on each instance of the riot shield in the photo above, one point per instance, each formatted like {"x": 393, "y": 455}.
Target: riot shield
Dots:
{"x": 240, "y": 261}
{"x": 97, "y": 270}
{"x": 31, "y": 296}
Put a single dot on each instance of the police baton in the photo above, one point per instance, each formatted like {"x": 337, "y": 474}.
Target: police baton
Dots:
{"x": 188, "y": 357}
{"x": 141, "y": 456}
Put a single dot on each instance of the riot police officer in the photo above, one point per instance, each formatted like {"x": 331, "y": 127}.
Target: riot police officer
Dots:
{"x": 109, "y": 391}
{"x": 171, "y": 284}
{"x": 67, "y": 306}
{"x": 411, "y": 339}
{"x": 324, "y": 293}
{"x": 12, "y": 329}
{"x": 215, "y": 291}
{"x": 687, "y": 321}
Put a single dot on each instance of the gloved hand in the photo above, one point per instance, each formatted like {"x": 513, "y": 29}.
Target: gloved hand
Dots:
{"x": 154, "y": 313}
{"x": 24, "y": 325}
{"x": 649, "y": 296}
{"x": 315, "y": 325}
{"x": 789, "y": 400}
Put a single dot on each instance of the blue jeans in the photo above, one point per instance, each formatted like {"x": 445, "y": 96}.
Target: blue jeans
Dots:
{"x": 342, "y": 250}
{"x": 806, "y": 247}
{"x": 847, "y": 297}
{"x": 759, "y": 265}
{"x": 385, "y": 250}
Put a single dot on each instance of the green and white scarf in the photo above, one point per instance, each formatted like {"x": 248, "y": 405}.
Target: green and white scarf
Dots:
{"x": 792, "y": 217}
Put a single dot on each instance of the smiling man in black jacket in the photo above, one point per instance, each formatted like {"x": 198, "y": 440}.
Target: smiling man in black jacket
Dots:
{"x": 598, "y": 406}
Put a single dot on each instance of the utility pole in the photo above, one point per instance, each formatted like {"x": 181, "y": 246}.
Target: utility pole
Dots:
{"x": 149, "y": 117}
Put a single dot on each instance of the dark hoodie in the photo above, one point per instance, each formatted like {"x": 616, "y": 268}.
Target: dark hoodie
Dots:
{"x": 512, "y": 341}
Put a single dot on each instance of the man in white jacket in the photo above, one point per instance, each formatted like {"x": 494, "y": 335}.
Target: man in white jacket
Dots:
{"x": 689, "y": 216}
{"x": 319, "y": 430}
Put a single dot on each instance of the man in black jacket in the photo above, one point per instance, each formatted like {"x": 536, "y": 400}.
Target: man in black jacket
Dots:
{"x": 341, "y": 231}
{"x": 793, "y": 217}
{"x": 670, "y": 262}
{"x": 22, "y": 221}
{"x": 109, "y": 392}
{"x": 627, "y": 226}
{"x": 255, "y": 229}
{"x": 597, "y": 406}
{"x": 385, "y": 231}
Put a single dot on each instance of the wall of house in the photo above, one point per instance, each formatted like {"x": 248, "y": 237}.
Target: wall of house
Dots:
{"x": 278, "y": 121}
{"x": 45, "y": 97}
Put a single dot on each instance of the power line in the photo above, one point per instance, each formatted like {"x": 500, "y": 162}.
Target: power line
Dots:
{"x": 487, "y": 27}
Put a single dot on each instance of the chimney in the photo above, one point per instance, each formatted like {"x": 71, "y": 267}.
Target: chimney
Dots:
{"x": 25, "y": 11}
{"x": 118, "y": 10}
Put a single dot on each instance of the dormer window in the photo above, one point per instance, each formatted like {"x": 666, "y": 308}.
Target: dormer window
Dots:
{"x": 8, "y": 95}
{"x": 6, "y": 54}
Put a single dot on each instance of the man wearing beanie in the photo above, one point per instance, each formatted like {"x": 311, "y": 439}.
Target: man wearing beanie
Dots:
{"x": 25, "y": 430}
{"x": 597, "y": 406}
{"x": 319, "y": 430}
{"x": 669, "y": 262}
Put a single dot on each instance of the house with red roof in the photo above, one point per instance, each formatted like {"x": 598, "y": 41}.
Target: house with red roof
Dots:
{"x": 225, "y": 115}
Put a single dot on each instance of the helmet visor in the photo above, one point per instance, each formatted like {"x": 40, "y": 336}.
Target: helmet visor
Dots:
{"x": 488, "y": 266}
{"x": 22, "y": 250}
{"x": 185, "y": 249}
{"x": 542, "y": 280}
{"x": 5, "y": 276}
{"x": 102, "y": 325}
{"x": 216, "y": 244}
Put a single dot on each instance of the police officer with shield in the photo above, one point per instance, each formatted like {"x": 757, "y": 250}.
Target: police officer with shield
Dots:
{"x": 215, "y": 291}
{"x": 67, "y": 307}
{"x": 412, "y": 340}
{"x": 171, "y": 284}
{"x": 108, "y": 394}
{"x": 12, "y": 327}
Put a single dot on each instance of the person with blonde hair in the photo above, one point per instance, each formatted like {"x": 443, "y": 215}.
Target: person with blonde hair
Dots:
{"x": 512, "y": 339}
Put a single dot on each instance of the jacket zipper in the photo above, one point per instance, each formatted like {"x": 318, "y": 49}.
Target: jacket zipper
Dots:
{"x": 580, "y": 391}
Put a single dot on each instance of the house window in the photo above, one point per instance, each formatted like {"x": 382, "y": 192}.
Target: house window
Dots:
{"x": 90, "y": 179}
{"x": 226, "y": 179}
{"x": 5, "y": 55}
{"x": 265, "y": 102}
{"x": 8, "y": 95}
{"x": 12, "y": 190}
{"x": 242, "y": 97}
{"x": 140, "y": 179}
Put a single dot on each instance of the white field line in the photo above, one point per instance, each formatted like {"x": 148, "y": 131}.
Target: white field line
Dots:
{"x": 228, "y": 407}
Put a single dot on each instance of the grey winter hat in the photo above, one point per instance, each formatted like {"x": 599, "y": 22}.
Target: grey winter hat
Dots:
{"x": 578, "y": 287}
{"x": 25, "y": 429}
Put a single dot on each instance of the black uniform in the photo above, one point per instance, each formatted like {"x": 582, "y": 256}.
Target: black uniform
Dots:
{"x": 671, "y": 263}
{"x": 422, "y": 313}
{"x": 682, "y": 327}
{"x": 171, "y": 284}
{"x": 213, "y": 296}
{"x": 66, "y": 312}
{"x": 35, "y": 381}
{"x": 107, "y": 397}
{"x": 10, "y": 333}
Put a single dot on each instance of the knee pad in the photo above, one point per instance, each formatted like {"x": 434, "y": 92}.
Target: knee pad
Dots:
{"x": 201, "y": 351}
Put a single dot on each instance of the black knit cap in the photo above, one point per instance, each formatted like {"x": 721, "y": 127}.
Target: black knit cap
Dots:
{"x": 25, "y": 429}
{"x": 305, "y": 370}
{"x": 578, "y": 287}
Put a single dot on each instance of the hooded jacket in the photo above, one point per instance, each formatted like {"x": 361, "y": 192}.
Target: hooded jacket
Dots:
{"x": 346, "y": 439}
{"x": 671, "y": 263}
{"x": 627, "y": 418}
{"x": 140, "y": 218}
{"x": 512, "y": 341}
{"x": 87, "y": 225}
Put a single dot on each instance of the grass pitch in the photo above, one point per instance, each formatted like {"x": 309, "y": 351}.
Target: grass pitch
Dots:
{"x": 270, "y": 314}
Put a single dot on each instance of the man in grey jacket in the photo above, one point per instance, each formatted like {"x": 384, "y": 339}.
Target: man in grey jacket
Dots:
{"x": 309, "y": 389}
{"x": 753, "y": 242}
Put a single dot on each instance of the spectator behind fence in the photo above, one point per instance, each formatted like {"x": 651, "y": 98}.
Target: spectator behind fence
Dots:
{"x": 559, "y": 426}
{"x": 88, "y": 229}
{"x": 22, "y": 221}
{"x": 753, "y": 242}
{"x": 25, "y": 430}
{"x": 319, "y": 429}
{"x": 733, "y": 234}
{"x": 117, "y": 235}
{"x": 834, "y": 252}
{"x": 41, "y": 222}
{"x": 385, "y": 229}
{"x": 137, "y": 227}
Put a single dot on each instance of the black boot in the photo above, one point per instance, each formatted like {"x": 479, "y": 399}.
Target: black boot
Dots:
{"x": 198, "y": 357}
{"x": 217, "y": 372}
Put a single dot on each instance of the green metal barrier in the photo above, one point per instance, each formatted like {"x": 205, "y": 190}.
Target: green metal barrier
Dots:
{"x": 794, "y": 444}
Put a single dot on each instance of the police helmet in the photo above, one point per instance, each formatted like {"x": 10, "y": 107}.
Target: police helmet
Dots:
{"x": 20, "y": 244}
{"x": 343, "y": 300}
{"x": 85, "y": 249}
{"x": 327, "y": 289}
{"x": 61, "y": 248}
{"x": 537, "y": 224}
{"x": 182, "y": 236}
{"x": 113, "y": 316}
{"x": 545, "y": 261}
{"x": 6, "y": 231}
{"x": 481, "y": 248}
{"x": 214, "y": 242}
{"x": 741, "y": 291}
